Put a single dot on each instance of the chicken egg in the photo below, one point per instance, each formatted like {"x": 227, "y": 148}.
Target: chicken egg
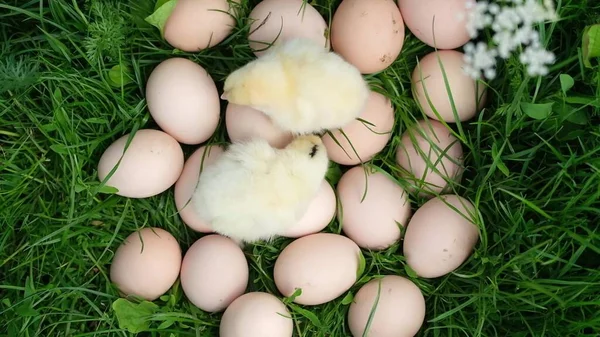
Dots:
{"x": 440, "y": 236}
{"x": 150, "y": 165}
{"x": 373, "y": 223}
{"x": 466, "y": 92}
{"x": 186, "y": 184}
{"x": 256, "y": 314}
{"x": 400, "y": 308}
{"x": 368, "y": 33}
{"x": 274, "y": 21}
{"x": 367, "y": 139}
{"x": 183, "y": 100}
{"x": 420, "y": 157}
{"x": 195, "y": 25}
{"x": 318, "y": 215}
{"x": 450, "y": 21}
{"x": 146, "y": 264}
{"x": 323, "y": 265}
{"x": 245, "y": 123}
{"x": 214, "y": 272}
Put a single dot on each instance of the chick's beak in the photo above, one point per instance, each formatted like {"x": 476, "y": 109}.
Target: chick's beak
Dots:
{"x": 224, "y": 96}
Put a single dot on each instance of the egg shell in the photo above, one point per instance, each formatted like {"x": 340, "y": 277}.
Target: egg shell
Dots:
{"x": 323, "y": 265}
{"x": 183, "y": 100}
{"x": 245, "y": 123}
{"x": 275, "y": 21}
{"x": 214, "y": 272}
{"x": 400, "y": 309}
{"x": 368, "y": 33}
{"x": 439, "y": 238}
{"x": 256, "y": 314}
{"x": 150, "y": 165}
{"x": 450, "y": 30}
{"x": 186, "y": 184}
{"x": 368, "y": 140}
{"x": 146, "y": 264}
{"x": 318, "y": 215}
{"x": 195, "y": 25}
{"x": 465, "y": 91}
{"x": 374, "y": 222}
{"x": 421, "y": 157}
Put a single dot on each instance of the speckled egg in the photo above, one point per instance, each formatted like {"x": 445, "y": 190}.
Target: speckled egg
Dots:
{"x": 214, "y": 273}
{"x": 373, "y": 223}
{"x": 245, "y": 123}
{"x": 431, "y": 157}
{"x": 366, "y": 138}
{"x": 368, "y": 33}
{"x": 186, "y": 184}
{"x": 274, "y": 21}
{"x": 256, "y": 314}
{"x": 146, "y": 264}
{"x": 441, "y": 236}
{"x": 151, "y": 164}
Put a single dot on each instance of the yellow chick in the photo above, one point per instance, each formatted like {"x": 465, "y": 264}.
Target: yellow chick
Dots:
{"x": 301, "y": 86}
{"x": 255, "y": 192}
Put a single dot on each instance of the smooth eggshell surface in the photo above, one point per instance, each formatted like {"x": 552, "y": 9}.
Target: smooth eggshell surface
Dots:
{"x": 146, "y": 264}
{"x": 367, "y": 140}
{"x": 214, "y": 272}
{"x": 319, "y": 214}
{"x": 374, "y": 222}
{"x": 323, "y": 265}
{"x": 245, "y": 123}
{"x": 195, "y": 25}
{"x": 186, "y": 184}
{"x": 150, "y": 165}
{"x": 439, "y": 238}
{"x": 450, "y": 29}
{"x": 400, "y": 309}
{"x": 274, "y": 21}
{"x": 256, "y": 314}
{"x": 183, "y": 100}
{"x": 368, "y": 33}
{"x": 421, "y": 158}
{"x": 466, "y": 92}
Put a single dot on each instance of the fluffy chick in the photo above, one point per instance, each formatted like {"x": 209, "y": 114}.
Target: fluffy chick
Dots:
{"x": 301, "y": 86}
{"x": 255, "y": 192}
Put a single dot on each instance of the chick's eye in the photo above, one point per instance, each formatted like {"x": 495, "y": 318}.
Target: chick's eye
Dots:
{"x": 313, "y": 151}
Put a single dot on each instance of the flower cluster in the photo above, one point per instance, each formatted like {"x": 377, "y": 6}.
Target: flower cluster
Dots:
{"x": 512, "y": 24}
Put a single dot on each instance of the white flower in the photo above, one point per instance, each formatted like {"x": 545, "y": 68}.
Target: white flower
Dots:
{"x": 479, "y": 58}
{"x": 537, "y": 60}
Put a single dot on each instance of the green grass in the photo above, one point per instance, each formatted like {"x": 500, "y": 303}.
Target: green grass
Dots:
{"x": 536, "y": 182}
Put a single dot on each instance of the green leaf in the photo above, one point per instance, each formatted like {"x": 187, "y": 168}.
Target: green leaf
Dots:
{"x": 334, "y": 173}
{"x": 159, "y": 4}
{"x": 293, "y": 296}
{"x": 134, "y": 317}
{"x": 59, "y": 148}
{"x": 578, "y": 117}
{"x": 566, "y": 83}
{"x": 348, "y": 299}
{"x": 159, "y": 18}
{"x": 108, "y": 190}
{"x": 499, "y": 163}
{"x": 119, "y": 76}
{"x": 308, "y": 314}
{"x": 362, "y": 264}
{"x": 166, "y": 324}
{"x": 537, "y": 110}
{"x": 410, "y": 272}
{"x": 590, "y": 44}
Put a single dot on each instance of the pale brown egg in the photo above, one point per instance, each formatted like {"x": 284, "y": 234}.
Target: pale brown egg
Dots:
{"x": 400, "y": 308}
{"x": 245, "y": 123}
{"x": 150, "y": 165}
{"x": 445, "y": 18}
{"x": 146, "y": 264}
{"x": 275, "y": 21}
{"x": 183, "y": 100}
{"x": 441, "y": 236}
{"x": 186, "y": 184}
{"x": 368, "y": 33}
{"x": 466, "y": 92}
{"x": 214, "y": 273}
{"x": 256, "y": 314}
{"x": 431, "y": 157}
{"x": 322, "y": 265}
{"x": 195, "y": 25}
{"x": 366, "y": 138}
{"x": 373, "y": 223}
{"x": 319, "y": 214}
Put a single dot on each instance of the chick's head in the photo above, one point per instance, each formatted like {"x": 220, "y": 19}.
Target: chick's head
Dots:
{"x": 308, "y": 155}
